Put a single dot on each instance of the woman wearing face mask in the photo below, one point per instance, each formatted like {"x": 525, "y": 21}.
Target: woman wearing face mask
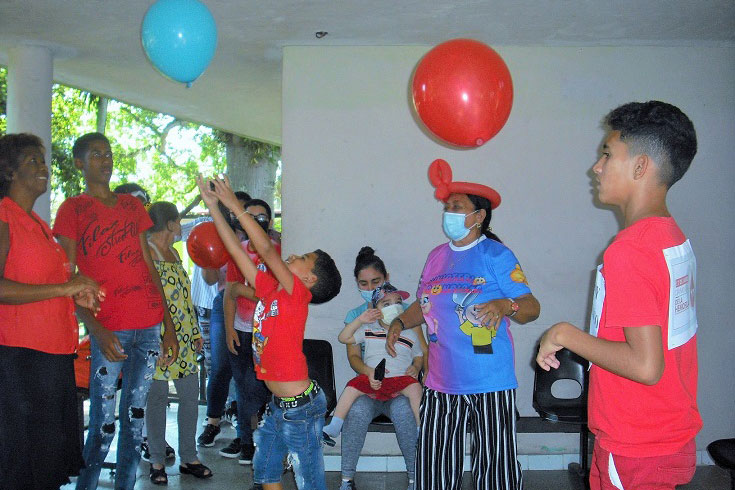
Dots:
{"x": 469, "y": 289}
{"x": 176, "y": 286}
{"x": 399, "y": 373}
{"x": 370, "y": 275}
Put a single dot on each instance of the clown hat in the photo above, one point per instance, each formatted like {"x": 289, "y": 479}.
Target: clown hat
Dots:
{"x": 440, "y": 176}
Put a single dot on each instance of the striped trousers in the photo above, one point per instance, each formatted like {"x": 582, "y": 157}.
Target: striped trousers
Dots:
{"x": 445, "y": 421}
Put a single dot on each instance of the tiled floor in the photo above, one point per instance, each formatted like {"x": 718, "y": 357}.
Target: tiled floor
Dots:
{"x": 230, "y": 475}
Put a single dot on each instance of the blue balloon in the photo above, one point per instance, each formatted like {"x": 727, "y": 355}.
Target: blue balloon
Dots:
{"x": 180, "y": 38}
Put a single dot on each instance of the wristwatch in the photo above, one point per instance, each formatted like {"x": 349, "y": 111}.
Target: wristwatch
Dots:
{"x": 513, "y": 306}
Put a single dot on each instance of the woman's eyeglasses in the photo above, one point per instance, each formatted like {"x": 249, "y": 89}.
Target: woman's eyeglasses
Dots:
{"x": 260, "y": 218}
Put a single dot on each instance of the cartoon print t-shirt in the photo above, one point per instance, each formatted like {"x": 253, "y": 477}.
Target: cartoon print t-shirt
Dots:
{"x": 278, "y": 330}
{"x": 246, "y": 306}
{"x": 464, "y": 356}
{"x": 109, "y": 251}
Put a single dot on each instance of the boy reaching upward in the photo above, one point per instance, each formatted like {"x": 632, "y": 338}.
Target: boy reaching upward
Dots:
{"x": 294, "y": 418}
{"x": 642, "y": 341}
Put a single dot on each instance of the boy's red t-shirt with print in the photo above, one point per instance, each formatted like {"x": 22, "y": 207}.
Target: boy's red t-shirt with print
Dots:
{"x": 629, "y": 418}
{"x": 278, "y": 330}
{"x": 246, "y": 306}
{"x": 109, "y": 251}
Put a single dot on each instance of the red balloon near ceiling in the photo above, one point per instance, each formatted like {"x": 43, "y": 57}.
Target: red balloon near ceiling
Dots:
{"x": 205, "y": 247}
{"x": 463, "y": 92}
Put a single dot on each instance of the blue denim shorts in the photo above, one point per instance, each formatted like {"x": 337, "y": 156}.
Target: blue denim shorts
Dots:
{"x": 296, "y": 432}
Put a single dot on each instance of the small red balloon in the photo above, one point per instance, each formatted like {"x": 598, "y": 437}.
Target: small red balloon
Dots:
{"x": 205, "y": 247}
{"x": 463, "y": 92}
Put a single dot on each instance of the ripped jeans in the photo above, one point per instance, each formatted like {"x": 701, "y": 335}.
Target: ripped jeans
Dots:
{"x": 142, "y": 348}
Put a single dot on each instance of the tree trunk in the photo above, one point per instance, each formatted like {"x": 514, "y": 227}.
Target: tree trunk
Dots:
{"x": 257, "y": 179}
{"x": 101, "y": 114}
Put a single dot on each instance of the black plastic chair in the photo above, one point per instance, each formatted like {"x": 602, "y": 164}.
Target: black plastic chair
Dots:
{"x": 321, "y": 368}
{"x": 722, "y": 453}
{"x": 565, "y": 410}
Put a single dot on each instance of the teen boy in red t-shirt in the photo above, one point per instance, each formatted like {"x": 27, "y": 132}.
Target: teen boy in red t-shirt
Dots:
{"x": 294, "y": 418}
{"x": 104, "y": 235}
{"x": 643, "y": 345}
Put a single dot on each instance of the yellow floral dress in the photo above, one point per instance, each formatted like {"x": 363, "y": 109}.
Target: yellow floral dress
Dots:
{"x": 177, "y": 289}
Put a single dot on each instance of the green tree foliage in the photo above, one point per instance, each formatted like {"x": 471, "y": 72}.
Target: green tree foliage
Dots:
{"x": 161, "y": 153}
{"x": 70, "y": 118}
{"x": 157, "y": 151}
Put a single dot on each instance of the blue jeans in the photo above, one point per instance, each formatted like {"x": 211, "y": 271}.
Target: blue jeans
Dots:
{"x": 252, "y": 393}
{"x": 298, "y": 433}
{"x": 142, "y": 348}
{"x": 220, "y": 374}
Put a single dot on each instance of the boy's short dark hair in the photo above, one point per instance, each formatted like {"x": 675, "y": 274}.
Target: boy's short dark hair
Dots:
{"x": 81, "y": 145}
{"x": 659, "y": 130}
{"x": 328, "y": 280}
{"x": 133, "y": 188}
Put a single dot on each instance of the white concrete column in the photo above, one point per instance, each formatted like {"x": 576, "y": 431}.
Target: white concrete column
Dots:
{"x": 30, "y": 78}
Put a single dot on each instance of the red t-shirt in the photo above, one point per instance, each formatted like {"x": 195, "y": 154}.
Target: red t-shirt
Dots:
{"x": 108, "y": 251}
{"x": 245, "y": 306}
{"x": 278, "y": 330}
{"x": 34, "y": 257}
{"x": 629, "y": 418}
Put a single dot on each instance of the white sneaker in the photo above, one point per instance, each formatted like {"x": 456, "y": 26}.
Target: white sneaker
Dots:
{"x": 348, "y": 485}
{"x": 230, "y": 414}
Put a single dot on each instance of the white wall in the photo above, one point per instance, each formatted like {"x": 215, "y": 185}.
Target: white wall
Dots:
{"x": 355, "y": 173}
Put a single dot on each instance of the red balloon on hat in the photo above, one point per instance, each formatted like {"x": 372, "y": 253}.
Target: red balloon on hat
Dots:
{"x": 205, "y": 247}
{"x": 440, "y": 176}
{"x": 463, "y": 92}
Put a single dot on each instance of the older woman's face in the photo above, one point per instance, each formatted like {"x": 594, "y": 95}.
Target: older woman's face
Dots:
{"x": 458, "y": 203}
{"x": 32, "y": 172}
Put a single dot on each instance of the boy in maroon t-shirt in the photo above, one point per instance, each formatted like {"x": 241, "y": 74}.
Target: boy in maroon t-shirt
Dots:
{"x": 642, "y": 341}
{"x": 103, "y": 235}
{"x": 294, "y": 418}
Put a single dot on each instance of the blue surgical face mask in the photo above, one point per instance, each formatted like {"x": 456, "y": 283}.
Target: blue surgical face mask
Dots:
{"x": 453, "y": 225}
{"x": 366, "y": 295}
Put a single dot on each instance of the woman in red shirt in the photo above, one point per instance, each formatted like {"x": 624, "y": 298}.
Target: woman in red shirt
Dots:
{"x": 39, "y": 435}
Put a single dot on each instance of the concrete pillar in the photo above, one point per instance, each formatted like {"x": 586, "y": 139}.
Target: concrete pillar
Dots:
{"x": 30, "y": 78}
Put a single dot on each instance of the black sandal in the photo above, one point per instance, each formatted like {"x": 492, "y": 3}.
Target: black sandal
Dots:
{"x": 158, "y": 476}
{"x": 196, "y": 469}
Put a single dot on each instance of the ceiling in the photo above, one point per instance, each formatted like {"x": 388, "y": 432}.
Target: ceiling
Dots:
{"x": 98, "y": 48}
